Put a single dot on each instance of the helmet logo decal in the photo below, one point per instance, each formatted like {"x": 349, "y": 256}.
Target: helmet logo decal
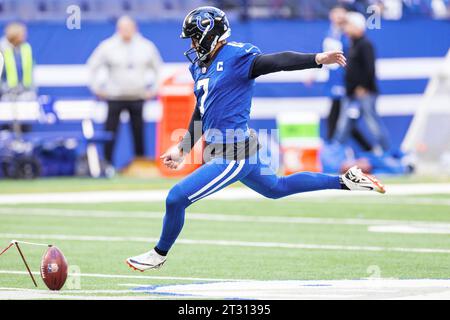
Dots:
{"x": 200, "y": 19}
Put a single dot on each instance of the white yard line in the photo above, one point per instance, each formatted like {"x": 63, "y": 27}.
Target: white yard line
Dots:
{"x": 27, "y": 294}
{"x": 21, "y": 295}
{"x": 227, "y": 194}
{"x": 107, "y": 214}
{"x": 412, "y": 229}
{"x": 140, "y": 277}
{"x": 226, "y": 243}
{"x": 95, "y": 291}
{"x": 388, "y": 200}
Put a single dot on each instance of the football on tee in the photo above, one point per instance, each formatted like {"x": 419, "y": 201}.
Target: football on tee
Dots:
{"x": 54, "y": 268}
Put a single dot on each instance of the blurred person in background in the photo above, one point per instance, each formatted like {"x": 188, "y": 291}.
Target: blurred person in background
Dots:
{"x": 336, "y": 40}
{"x": 361, "y": 87}
{"x": 17, "y": 78}
{"x": 125, "y": 71}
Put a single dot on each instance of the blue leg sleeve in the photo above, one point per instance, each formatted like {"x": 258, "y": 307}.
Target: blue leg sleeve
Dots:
{"x": 176, "y": 203}
{"x": 205, "y": 181}
{"x": 274, "y": 187}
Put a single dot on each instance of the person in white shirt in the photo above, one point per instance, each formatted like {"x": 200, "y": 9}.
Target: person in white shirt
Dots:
{"x": 125, "y": 71}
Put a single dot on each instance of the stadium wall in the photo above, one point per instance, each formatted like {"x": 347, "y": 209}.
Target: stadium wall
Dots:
{"x": 404, "y": 67}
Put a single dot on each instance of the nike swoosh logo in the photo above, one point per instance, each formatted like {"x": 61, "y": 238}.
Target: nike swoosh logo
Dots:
{"x": 142, "y": 264}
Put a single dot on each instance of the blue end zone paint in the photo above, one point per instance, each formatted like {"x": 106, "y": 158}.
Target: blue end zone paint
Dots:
{"x": 151, "y": 290}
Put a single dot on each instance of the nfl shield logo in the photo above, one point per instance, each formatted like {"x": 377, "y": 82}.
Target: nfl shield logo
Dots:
{"x": 53, "y": 267}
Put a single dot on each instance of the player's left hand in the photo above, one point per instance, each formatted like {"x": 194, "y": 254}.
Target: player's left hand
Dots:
{"x": 331, "y": 57}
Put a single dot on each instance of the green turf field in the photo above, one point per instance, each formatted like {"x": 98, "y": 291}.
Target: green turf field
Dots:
{"x": 320, "y": 238}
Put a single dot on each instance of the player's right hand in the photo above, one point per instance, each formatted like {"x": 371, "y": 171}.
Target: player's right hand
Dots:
{"x": 173, "y": 157}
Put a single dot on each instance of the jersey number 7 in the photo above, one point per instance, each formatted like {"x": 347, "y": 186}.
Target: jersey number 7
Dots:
{"x": 203, "y": 84}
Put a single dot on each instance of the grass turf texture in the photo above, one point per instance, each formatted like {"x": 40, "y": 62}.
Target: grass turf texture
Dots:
{"x": 226, "y": 262}
{"x": 123, "y": 183}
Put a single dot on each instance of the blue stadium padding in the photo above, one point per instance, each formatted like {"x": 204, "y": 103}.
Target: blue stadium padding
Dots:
{"x": 66, "y": 92}
{"x": 268, "y": 89}
{"x": 53, "y": 43}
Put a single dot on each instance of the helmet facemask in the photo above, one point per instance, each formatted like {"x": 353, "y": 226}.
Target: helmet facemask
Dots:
{"x": 202, "y": 49}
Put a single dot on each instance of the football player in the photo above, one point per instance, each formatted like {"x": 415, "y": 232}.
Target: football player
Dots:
{"x": 224, "y": 74}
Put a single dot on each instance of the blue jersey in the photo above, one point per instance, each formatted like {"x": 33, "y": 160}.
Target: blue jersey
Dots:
{"x": 224, "y": 93}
